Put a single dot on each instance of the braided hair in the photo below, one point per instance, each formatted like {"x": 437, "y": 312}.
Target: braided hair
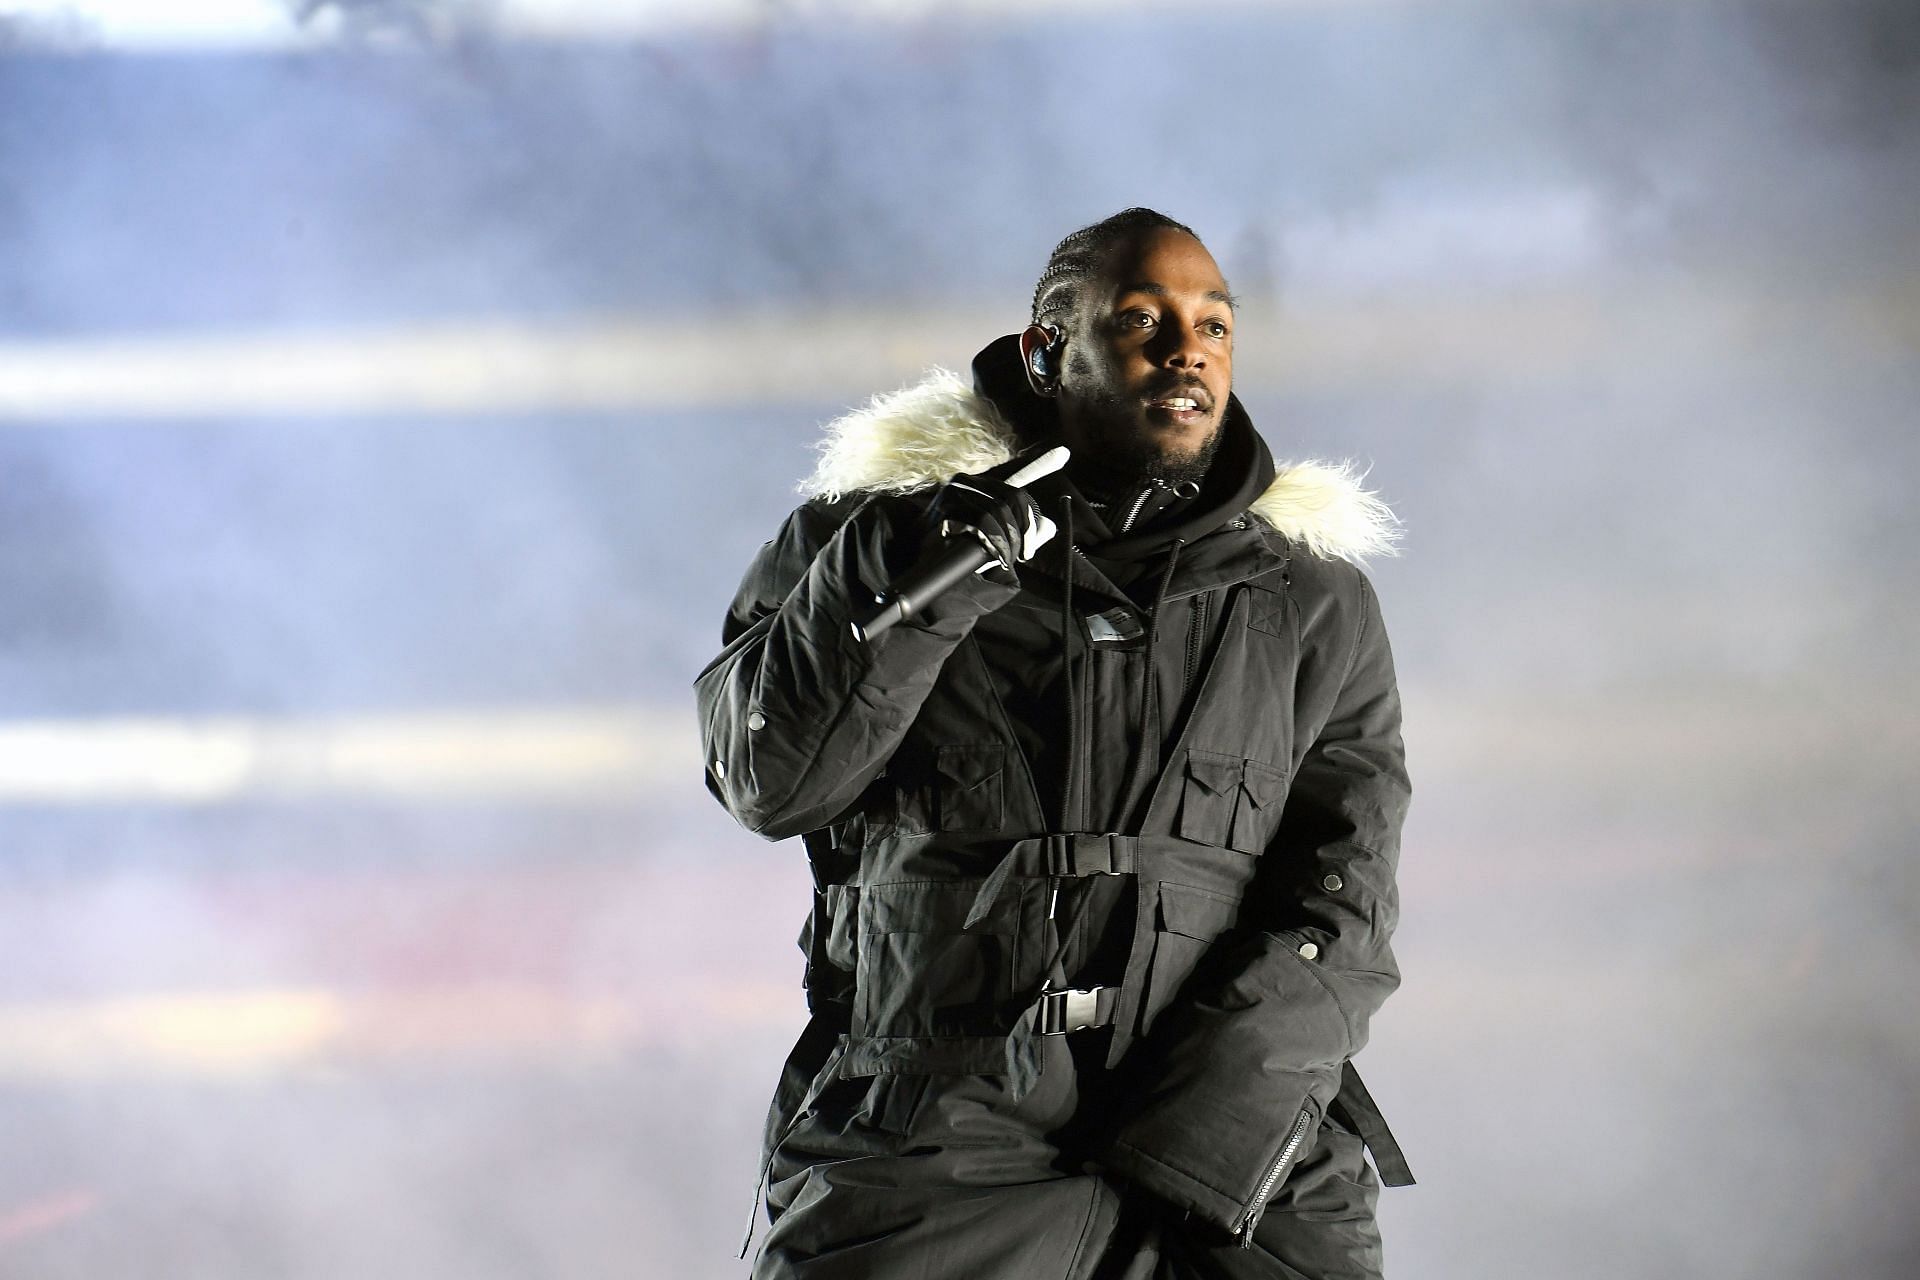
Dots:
{"x": 1080, "y": 256}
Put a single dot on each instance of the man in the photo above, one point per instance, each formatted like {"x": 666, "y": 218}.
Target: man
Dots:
{"x": 1103, "y": 838}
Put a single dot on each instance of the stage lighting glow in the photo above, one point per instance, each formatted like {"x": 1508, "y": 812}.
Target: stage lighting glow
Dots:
{"x": 520, "y": 756}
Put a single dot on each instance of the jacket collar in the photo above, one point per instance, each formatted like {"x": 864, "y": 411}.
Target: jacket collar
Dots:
{"x": 941, "y": 427}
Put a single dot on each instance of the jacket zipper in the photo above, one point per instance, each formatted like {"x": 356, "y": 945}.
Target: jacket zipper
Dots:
{"x": 1281, "y": 1162}
{"x": 1193, "y": 640}
{"x": 1134, "y": 514}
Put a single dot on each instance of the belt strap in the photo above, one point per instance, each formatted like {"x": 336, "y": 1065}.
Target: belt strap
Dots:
{"x": 1062, "y": 854}
{"x": 1364, "y": 1115}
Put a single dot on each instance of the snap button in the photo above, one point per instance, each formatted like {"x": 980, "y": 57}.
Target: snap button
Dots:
{"x": 720, "y": 769}
{"x": 1309, "y": 951}
{"x": 756, "y": 721}
{"x": 1332, "y": 882}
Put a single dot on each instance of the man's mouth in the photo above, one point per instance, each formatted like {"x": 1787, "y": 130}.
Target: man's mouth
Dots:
{"x": 1181, "y": 406}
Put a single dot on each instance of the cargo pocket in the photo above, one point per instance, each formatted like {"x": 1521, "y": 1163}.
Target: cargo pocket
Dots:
{"x": 922, "y": 973}
{"x": 850, "y": 1104}
{"x": 1256, "y": 811}
{"x": 895, "y": 1101}
{"x": 1189, "y": 920}
{"x": 972, "y": 791}
{"x": 1208, "y": 796}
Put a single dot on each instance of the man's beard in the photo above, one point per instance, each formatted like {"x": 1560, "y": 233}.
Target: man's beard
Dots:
{"x": 1127, "y": 454}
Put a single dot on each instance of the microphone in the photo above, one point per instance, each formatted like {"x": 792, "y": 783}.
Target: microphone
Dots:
{"x": 914, "y": 590}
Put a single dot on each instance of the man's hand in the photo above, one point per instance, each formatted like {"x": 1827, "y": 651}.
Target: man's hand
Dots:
{"x": 1008, "y": 519}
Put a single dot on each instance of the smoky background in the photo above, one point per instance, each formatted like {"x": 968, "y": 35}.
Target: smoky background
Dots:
{"x": 391, "y": 396}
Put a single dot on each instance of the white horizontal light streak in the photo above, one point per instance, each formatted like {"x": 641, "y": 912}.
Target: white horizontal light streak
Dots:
{"x": 172, "y": 25}
{"x": 468, "y": 369}
{"x": 220, "y": 1033}
{"x": 519, "y": 756}
{"x": 772, "y": 358}
{"x": 262, "y": 1030}
{"x": 145, "y": 24}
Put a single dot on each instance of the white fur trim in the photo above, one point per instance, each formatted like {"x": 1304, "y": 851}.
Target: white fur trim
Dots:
{"x": 940, "y": 427}
{"x": 1323, "y": 505}
{"x": 920, "y": 435}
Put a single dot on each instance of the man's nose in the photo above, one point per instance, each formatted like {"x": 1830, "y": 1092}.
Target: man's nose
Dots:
{"x": 1180, "y": 348}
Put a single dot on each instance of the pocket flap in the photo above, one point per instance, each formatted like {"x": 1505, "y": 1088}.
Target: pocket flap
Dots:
{"x": 1214, "y": 774}
{"x": 1195, "y": 912}
{"x": 972, "y": 765}
{"x": 1266, "y": 610}
{"x": 1263, "y": 784}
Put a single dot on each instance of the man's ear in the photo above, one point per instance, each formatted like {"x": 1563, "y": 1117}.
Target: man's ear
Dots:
{"x": 1041, "y": 347}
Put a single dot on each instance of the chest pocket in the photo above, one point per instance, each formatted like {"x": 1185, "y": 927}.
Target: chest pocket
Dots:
{"x": 972, "y": 787}
{"x": 1229, "y": 801}
{"x": 965, "y": 792}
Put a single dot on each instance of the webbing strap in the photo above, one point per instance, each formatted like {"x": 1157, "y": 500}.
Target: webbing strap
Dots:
{"x": 1360, "y": 1108}
{"x": 1061, "y": 854}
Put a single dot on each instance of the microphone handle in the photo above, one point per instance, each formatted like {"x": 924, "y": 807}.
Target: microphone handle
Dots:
{"x": 914, "y": 590}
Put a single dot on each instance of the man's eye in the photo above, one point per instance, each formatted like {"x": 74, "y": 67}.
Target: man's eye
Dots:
{"x": 1216, "y": 328}
{"x": 1137, "y": 319}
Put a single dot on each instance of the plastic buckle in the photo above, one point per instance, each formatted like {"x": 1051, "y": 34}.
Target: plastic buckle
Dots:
{"x": 1070, "y": 853}
{"x": 1110, "y": 837}
{"x": 1075, "y": 1009}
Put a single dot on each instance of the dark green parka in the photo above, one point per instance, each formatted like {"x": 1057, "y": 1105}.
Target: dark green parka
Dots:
{"x": 1187, "y": 729}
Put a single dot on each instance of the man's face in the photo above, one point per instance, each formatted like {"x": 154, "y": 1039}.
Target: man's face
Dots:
{"x": 1149, "y": 363}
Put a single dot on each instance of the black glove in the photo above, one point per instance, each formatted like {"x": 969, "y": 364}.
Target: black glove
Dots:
{"x": 975, "y": 525}
{"x": 1006, "y": 518}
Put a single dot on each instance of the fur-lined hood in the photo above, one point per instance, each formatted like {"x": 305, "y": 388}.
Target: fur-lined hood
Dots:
{"x": 941, "y": 427}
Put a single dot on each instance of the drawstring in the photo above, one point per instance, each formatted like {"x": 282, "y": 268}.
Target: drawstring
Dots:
{"x": 1150, "y": 702}
{"x": 1067, "y": 630}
